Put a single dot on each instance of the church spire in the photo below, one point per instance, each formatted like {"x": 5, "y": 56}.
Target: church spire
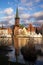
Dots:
{"x": 17, "y": 16}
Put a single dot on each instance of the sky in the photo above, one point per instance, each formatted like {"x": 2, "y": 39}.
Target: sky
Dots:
{"x": 30, "y": 11}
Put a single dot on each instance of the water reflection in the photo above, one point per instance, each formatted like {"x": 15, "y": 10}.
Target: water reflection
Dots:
{"x": 16, "y": 44}
{"x": 6, "y": 41}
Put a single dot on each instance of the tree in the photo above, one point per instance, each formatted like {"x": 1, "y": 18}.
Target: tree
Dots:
{"x": 29, "y": 53}
{"x": 37, "y": 31}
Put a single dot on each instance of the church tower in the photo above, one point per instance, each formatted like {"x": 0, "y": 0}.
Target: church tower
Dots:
{"x": 17, "y": 18}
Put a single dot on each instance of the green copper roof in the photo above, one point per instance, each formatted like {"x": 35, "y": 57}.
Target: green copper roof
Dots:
{"x": 17, "y": 16}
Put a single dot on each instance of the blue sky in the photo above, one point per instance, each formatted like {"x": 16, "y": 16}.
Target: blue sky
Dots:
{"x": 29, "y": 11}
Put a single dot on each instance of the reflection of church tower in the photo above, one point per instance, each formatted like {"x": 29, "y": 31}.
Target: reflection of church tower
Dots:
{"x": 17, "y": 18}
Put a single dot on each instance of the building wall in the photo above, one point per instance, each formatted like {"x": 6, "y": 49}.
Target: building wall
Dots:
{"x": 3, "y": 31}
{"x": 31, "y": 28}
{"x": 9, "y": 31}
{"x": 16, "y": 21}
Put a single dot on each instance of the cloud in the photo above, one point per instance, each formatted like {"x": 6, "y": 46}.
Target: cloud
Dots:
{"x": 38, "y": 15}
{"x": 20, "y": 8}
{"x": 30, "y": 8}
{"x": 36, "y": 18}
{"x": 1, "y": 12}
{"x": 10, "y": 3}
{"x": 7, "y": 20}
{"x": 23, "y": 1}
{"x": 29, "y": 3}
{"x": 27, "y": 21}
{"x": 37, "y": 1}
{"x": 41, "y": 6}
{"x": 25, "y": 16}
{"x": 23, "y": 11}
{"x": 7, "y": 17}
{"x": 38, "y": 22}
{"x": 8, "y": 11}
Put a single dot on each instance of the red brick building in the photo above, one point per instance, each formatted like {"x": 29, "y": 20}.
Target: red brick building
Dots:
{"x": 31, "y": 28}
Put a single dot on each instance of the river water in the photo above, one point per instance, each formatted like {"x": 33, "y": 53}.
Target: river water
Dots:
{"x": 11, "y": 43}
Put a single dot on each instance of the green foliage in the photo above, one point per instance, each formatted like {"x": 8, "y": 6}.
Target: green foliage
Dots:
{"x": 21, "y": 25}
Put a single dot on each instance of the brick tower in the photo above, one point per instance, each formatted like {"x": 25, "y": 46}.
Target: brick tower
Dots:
{"x": 17, "y": 18}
